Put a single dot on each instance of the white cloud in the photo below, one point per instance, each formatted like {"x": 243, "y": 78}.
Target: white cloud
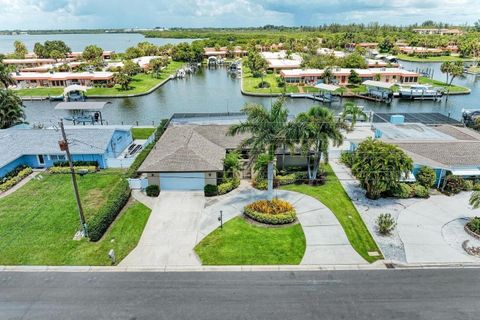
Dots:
{"x": 45, "y": 14}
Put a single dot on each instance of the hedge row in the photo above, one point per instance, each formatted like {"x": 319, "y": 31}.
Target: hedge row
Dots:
{"x": 8, "y": 184}
{"x": 275, "y": 219}
{"x": 117, "y": 199}
{"x": 223, "y": 188}
{"x": 80, "y": 163}
{"x": 65, "y": 170}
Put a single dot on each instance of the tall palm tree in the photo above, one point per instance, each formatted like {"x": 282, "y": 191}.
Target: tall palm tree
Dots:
{"x": 475, "y": 200}
{"x": 268, "y": 130}
{"x": 5, "y": 76}
{"x": 353, "y": 110}
{"x": 313, "y": 130}
{"x": 11, "y": 109}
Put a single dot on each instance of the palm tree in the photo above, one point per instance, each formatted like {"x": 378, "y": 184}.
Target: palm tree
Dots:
{"x": 313, "y": 130}
{"x": 353, "y": 110}
{"x": 5, "y": 76}
{"x": 475, "y": 200}
{"x": 11, "y": 109}
{"x": 268, "y": 129}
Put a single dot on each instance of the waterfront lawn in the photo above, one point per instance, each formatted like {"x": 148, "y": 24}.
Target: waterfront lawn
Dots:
{"x": 242, "y": 243}
{"x": 142, "y": 133}
{"x": 436, "y": 83}
{"x": 406, "y": 57}
{"x": 39, "y": 92}
{"x": 250, "y": 83}
{"x": 39, "y": 220}
{"x": 336, "y": 199}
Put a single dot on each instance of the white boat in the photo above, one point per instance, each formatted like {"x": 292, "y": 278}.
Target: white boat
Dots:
{"x": 419, "y": 91}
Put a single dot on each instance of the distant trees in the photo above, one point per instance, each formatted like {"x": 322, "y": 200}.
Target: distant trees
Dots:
{"x": 20, "y": 49}
{"x": 11, "y": 109}
{"x": 131, "y": 68}
{"x": 92, "y": 52}
{"x": 188, "y": 53}
{"x": 354, "y": 60}
{"x": 386, "y": 45}
{"x": 452, "y": 70}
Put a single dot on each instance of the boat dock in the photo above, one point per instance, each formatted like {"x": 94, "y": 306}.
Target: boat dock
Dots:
{"x": 315, "y": 97}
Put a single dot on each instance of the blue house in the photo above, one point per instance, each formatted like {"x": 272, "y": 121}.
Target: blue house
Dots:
{"x": 38, "y": 148}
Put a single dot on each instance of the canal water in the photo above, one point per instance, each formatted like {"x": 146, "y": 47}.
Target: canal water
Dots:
{"x": 213, "y": 90}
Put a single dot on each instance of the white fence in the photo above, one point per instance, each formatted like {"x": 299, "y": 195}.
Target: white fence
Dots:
{"x": 119, "y": 163}
{"x": 138, "y": 184}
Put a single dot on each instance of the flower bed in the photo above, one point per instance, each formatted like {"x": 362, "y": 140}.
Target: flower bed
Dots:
{"x": 273, "y": 212}
{"x": 13, "y": 180}
{"x": 473, "y": 227}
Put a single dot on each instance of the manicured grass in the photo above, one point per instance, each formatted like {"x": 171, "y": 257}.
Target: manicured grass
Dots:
{"x": 432, "y": 59}
{"x": 140, "y": 83}
{"x": 39, "y": 92}
{"x": 142, "y": 133}
{"x": 436, "y": 83}
{"x": 39, "y": 220}
{"x": 242, "y": 243}
{"x": 250, "y": 84}
{"x": 336, "y": 199}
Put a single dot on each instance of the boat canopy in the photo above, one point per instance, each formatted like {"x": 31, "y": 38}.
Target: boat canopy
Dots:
{"x": 80, "y": 105}
{"x": 379, "y": 84}
{"x": 74, "y": 87}
{"x": 327, "y": 87}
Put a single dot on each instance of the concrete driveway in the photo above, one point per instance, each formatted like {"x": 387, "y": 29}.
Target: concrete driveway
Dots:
{"x": 171, "y": 232}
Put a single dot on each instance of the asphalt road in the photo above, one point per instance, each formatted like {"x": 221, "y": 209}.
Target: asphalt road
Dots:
{"x": 354, "y": 295}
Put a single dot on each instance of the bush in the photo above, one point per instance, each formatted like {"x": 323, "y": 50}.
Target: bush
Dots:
{"x": 263, "y": 84}
{"x": 476, "y": 187}
{"x": 260, "y": 184}
{"x": 403, "y": 191}
{"x": 385, "y": 223}
{"x": 13, "y": 180}
{"x": 152, "y": 190}
{"x": 347, "y": 157}
{"x": 426, "y": 177}
{"x": 468, "y": 185}
{"x": 210, "y": 190}
{"x": 65, "y": 170}
{"x": 420, "y": 191}
{"x": 117, "y": 199}
{"x": 453, "y": 185}
{"x": 273, "y": 212}
{"x": 12, "y": 173}
{"x": 474, "y": 225}
{"x": 76, "y": 164}
{"x": 286, "y": 179}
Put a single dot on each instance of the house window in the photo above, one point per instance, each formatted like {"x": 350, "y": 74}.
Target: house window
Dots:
{"x": 55, "y": 157}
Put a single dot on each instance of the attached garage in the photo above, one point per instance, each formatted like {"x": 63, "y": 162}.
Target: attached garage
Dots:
{"x": 182, "y": 181}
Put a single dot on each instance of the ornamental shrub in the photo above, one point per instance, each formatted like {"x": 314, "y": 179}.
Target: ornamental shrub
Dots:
{"x": 117, "y": 199}
{"x": 152, "y": 190}
{"x": 426, "y": 177}
{"x": 12, "y": 181}
{"x": 210, "y": 190}
{"x": 468, "y": 185}
{"x": 403, "y": 191}
{"x": 76, "y": 164}
{"x": 476, "y": 186}
{"x": 453, "y": 185}
{"x": 347, "y": 157}
{"x": 65, "y": 170}
{"x": 225, "y": 187}
{"x": 385, "y": 223}
{"x": 273, "y": 212}
{"x": 419, "y": 191}
{"x": 474, "y": 225}
{"x": 286, "y": 179}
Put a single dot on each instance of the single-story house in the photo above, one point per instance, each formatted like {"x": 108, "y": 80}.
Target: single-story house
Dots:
{"x": 62, "y": 79}
{"x": 280, "y": 60}
{"x": 313, "y": 76}
{"x": 444, "y": 148}
{"x": 38, "y": 148}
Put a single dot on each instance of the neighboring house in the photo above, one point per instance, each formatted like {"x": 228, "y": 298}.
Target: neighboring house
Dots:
{"x": 62, "y": 79}
{"x": 38, "y": 148}
{"x": 444, "y": 148}
{"x": 280, "y": 60}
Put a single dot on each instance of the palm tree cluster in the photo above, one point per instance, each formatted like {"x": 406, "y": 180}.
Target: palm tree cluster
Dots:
{"x": 270, "y": 130}
{"x": 11, "y": 106}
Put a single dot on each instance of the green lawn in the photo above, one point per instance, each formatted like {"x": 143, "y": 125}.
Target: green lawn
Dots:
{"x": 336, "y": 199}
{"x": 250, "y": 84}
{"x": 142, "y": 133}
{"x": 436, "y": 83}
{"x": 242, "y": 243}
{"x": 432, "y": 59}
{"x": 38, "y": 222}
{"x": 140, "y": 83}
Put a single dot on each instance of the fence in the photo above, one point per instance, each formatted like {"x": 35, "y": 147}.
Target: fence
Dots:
{"x": 138, "y": 184}
{"x": 120, "y": 163}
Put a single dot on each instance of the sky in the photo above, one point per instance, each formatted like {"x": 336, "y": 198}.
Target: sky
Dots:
{"x": 71, "y": 14}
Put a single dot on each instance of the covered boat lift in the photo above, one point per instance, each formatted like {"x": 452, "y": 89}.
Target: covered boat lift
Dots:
{"x": 379, "y": 90}
{"x": 83, "y": 112}
{"x": 74, "y": 92}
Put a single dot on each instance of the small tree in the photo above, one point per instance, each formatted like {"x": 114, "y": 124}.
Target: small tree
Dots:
{"x": 92, "y": 52}
{"x": 131, "y": 68}
{"x": 379, "y": 166}
{"x": 354, "y": 78}
{"x": 475, "y": 200}
{"x": 426, "y": 177}
{"x": 232, "y": 164}
{"x": 156, "y": 65}
{"x": 256, "y": 63}
{"x": 123, "y": 80}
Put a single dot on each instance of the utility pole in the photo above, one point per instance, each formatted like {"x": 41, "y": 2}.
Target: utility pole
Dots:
{"x": 65, "y": 147}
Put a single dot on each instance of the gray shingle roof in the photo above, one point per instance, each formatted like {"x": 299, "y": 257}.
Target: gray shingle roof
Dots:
{"x": 191, "y": 148}
{"x": 15, "y": 143}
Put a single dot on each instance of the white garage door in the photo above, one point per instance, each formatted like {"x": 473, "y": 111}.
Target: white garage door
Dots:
{"x": 182, "y": 181}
